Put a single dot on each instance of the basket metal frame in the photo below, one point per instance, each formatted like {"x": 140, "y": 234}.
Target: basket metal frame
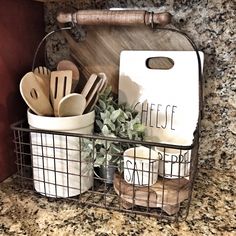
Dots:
{"x": 101, "y": 194}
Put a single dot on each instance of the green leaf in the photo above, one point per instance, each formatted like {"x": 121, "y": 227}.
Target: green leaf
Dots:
{"x": 128, "y": 115}
{"x": 120, "y": 164}
{"x": 130, "y": 125}
{"x": 115, "y": 114}
{"x": 102, "y": 104}
{"x": 139, "y": 128}
{"x": 111, "y": 108}
{"x": 125, "y": 115}
{"x": 102, "y": 151}
{"x": 129, "y": 134}
{"x": 121, "y": 118}
{"x": 105, "y": 115}
{"x": 99, "y": 161}
{"x": 115, "y": 120}
{"x": 115, "y": 149}
{"x": 105, "y": 130}
{"x": 109, "y": 124}
{"x": 100, "y": 124}
{"x": 109, "y": 157}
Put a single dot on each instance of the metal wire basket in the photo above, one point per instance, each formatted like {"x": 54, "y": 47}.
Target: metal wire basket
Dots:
{"x": 63, "y": 165}
{"x": 55, "y": 172}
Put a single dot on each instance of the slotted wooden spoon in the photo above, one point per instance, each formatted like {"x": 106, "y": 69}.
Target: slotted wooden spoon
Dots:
{"x": 34, "y": 95}
{"x": 60, "y": 86}
{"x": 69, "y": 65}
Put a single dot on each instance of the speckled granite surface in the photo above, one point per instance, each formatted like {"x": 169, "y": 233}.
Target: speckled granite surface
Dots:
{"x": 212, "y": 212}
{"x": 212, "y": 25}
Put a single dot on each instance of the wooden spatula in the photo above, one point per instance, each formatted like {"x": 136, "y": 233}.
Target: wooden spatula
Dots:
{"x": 69, "y": 65}
{"x": 100, "y": 89}
{"x": 34, "y": 95}
{"x": 89, "y": 84}
{"x": 60, "y": 86}
{"x": 104, "y": 82}
{"x": 94, "y": 90}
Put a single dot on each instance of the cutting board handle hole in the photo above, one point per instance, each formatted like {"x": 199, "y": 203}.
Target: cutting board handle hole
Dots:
{"x": 159, "y": 63}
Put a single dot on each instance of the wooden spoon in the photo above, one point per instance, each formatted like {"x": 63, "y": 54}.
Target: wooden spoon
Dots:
{"x": 72, "y": 105}
{"x": 69, "y": 65}
{"x": 60, "y": 86}
{"x": 34, "y": 95}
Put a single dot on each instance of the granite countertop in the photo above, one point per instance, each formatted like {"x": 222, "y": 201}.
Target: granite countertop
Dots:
{"x": 212, "y": 25}
{"x": 212, "y": 212}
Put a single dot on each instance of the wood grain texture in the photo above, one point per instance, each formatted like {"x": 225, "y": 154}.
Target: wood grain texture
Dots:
{"x": 115, "y": 17}
{"x": 69, "y": 65}
{"x": 60, "y": 86}
{"x": 165, "y": 193}
{"x": 35, "y": 95}
{"x": 100, "y": 51}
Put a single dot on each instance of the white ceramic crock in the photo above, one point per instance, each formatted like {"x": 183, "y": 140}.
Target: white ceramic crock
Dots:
{"x": 58, "y": 170}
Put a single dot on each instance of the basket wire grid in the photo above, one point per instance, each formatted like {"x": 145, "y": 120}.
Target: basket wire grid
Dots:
{"x": 165, "y": 202}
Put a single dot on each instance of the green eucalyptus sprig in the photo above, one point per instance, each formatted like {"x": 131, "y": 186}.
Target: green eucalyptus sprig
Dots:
{"x": 115, "y": 120}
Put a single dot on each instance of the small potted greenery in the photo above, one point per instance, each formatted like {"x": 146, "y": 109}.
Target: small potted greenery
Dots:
{"x": 117, "y": 121}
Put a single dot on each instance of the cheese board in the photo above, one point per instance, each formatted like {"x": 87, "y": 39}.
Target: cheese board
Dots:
{"x": 167, "y": 99}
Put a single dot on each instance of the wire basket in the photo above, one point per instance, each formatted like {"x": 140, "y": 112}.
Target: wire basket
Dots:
{"x": 53, "y": 171}
{"x": 149, "y": 178}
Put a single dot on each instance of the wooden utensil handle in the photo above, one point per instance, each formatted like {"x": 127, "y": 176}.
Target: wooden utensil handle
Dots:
{"x": 115, "y": 17}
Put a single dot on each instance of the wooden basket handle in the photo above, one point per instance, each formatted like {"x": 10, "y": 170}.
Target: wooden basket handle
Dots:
{"x": 115, "y": 17}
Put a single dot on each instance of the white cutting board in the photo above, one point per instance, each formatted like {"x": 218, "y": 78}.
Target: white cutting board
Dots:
{"x": 167, "y": 100}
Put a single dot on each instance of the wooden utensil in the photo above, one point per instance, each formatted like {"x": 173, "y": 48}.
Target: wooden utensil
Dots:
{"x": 34, "y": 95}
{"x": 89, "y": 84}
{"x": 91, "y": 89}
{"x": 60, "y": 86}
{"x": 94, "y": 91}
{"x": 104, "y": 82}
{"x": 168, "y": 198}
{"x": 101, "y": 89}
{"x": 69, "y": 65}
{"x": 72, "y": 105}
{"x": 43, "y": 76}
{"x": 43, "y": 72}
